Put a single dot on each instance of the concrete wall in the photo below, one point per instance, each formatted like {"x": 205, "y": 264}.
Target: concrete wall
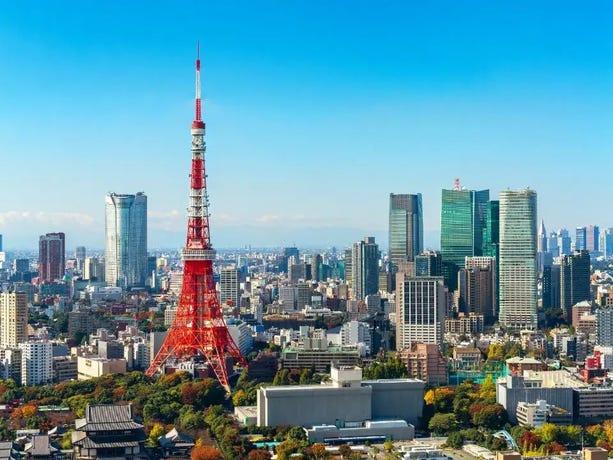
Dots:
{"x": 510, "y": 397}
{"x": 406, "y": 433}
{"x": 397, "y": 399}
{"x": 313, "y": 405}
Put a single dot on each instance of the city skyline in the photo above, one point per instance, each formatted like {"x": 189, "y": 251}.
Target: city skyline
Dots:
{"x": 438, "y": 96}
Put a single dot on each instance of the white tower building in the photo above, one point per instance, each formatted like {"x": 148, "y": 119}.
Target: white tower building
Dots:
{"x": 36, "y": 363}
{"x": 517, "y": 267}
{"x": 125, "y": 255}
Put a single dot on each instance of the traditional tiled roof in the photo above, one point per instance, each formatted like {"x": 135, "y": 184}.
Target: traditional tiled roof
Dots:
{"x": 101, "y": 442}
{"x": 107, "y": 417}
{"x": 39, "y": 446}
{"x": 177, "y": 439}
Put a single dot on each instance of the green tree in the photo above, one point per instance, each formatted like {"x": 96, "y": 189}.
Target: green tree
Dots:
{"x": 488, "y": 416}
{"x": 287, "y": 448}
{"x": 442, "y": 424}
{"x": 305, "y": 376}
{"x": 296, "y": 433}
{"x": 345, "y": 451}
{"x": 281, "y": 377}
{"x": 495, "y": 352}
{"x": 156, "y": 432}
{"x": 487, "y": 391}
{"x": 455, "y": 440}
{"x": 549, "y": 432}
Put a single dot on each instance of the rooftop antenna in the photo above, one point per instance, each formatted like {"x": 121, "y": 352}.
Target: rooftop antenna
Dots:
{"x": 456, "y": 184}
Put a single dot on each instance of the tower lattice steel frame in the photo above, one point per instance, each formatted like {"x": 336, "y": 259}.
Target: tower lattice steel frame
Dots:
{"x": 199, "y": 327}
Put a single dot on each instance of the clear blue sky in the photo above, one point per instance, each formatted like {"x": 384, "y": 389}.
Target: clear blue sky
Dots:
{"x": 316, "y": 111}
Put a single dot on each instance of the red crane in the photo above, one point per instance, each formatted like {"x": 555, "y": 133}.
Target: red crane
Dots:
{"x": 199, "y": 328}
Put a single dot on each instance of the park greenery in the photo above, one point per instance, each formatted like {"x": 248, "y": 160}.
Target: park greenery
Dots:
{"x": 469, "y": 412}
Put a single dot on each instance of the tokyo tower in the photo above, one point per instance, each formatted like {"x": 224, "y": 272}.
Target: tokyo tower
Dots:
{"x": 199, "y": 328}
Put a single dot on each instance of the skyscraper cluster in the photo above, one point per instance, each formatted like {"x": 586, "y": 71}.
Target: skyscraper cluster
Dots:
{"x": 486, "y": 268}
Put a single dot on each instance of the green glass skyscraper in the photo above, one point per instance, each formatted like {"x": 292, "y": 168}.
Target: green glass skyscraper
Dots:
{"x": 463, "y": 218}
{"x": 405, "y": 227}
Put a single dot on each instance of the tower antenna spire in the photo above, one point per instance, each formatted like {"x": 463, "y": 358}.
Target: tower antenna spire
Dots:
{"x": 198, "y": 98}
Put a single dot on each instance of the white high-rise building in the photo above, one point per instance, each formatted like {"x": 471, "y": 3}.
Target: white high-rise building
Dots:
{"x": 421, "y": 303}
{"x": 356, "y": 332}
{"x": 93, "y": 268}
{"x": 13, "y": 319}
{"x": 242, "y": 335}
{"x": 229, "y": 286}
{"x": 36, "y": 363}
{"x": 142, "y": 354}
{"x": 125, "y": 256}
{"x": 517, "y": 266}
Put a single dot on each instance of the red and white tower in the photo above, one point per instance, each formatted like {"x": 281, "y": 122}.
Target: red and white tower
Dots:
{"x": 199, "y": 328}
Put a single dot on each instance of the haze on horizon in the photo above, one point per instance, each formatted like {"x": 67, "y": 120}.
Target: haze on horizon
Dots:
{"x": 315, "y": 112}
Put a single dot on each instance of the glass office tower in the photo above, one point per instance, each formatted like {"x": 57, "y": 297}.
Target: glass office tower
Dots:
{"x": 125, "y": 255}
{"x": 463, "y": 218}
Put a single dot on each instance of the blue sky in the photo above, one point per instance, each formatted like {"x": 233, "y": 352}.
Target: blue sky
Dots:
{"x": 315, "y": 110}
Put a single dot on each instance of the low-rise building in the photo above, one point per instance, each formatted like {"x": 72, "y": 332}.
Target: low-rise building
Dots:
{"x": 595, "y": 453}
{"x": 346, "y": 402}
{"x": 555, "y": 387}
{"x": 64, "y": 369}
{"x": 593, "y": 402}
{"x": 422, "y": 451}
{"x": 320, "y": 359}
{"x": 518, "y": 365}
{"x": 89, "y": 367}
{"x": 465, "y": 358}
{"x": 388, "y": 429}
{"x": 537, "y": 414}
{"x": 425, "y": 362}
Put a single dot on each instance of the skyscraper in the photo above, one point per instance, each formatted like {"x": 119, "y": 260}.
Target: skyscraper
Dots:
{"x": 317, "y": 267}
{"x": 365, "y": 268}
{"x": 605, "y": 244}
{"x": 491, "y": 232}
{"x": 421, "y": 303}
{"x": 463, "y": 218}
{"x": 592, "y": 236}
{"x": 93, "y": 269}
{"x": 80, "y": 254}
{"x": 564, "y": 241}
{"x": 125, "y": 255}
{"x": 428, "y": 264}
{"x": 574, "y": 280}
{"x": 542, "y": 238}
{"x": 229, "y": 286}
{"x": 51, "y": 257}
{"x": 13, "y": 319}
{"x": 552, "y": 244}
{"x": 580, "y": 238}
{"x": 517, "y": 265}
{"x": 551, "y": 286}
{"x": 604, "y": 326}
{"x": 477, "y": 287}
{"x": 405, "y": 227}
